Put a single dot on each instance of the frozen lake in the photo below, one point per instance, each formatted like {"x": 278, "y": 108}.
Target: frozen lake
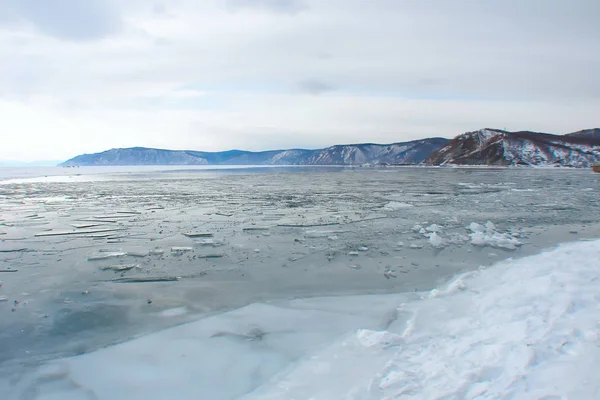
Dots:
{"x": 92, "y": 258}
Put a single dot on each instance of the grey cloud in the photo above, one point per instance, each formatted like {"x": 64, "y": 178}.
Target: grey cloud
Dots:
{"x": 65, "y": 19}
{"x": 316, "y": 87}
{"x": 278, "y": 6}
{"x": 159, "y": 9}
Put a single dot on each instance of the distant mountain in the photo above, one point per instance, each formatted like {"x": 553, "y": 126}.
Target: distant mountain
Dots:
{"x": 589, "y": 133}
{"x": 498, "y": 147}
{"x": 413, "y": 152}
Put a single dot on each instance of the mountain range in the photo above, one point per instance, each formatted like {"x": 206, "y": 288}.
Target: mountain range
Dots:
{"x": 481, "y": 147}
{"x": 413, "y": 152}
{"x": 498, "y": 147}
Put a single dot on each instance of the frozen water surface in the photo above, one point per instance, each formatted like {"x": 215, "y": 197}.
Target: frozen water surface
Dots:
{"x": 276, "y": 265}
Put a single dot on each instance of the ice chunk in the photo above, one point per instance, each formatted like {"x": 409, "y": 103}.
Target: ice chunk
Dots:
{"x": 198, "y": 234}
{"x": 434, "y": 228}
{"x": 369, "y": 338}
{"x": 436, "y": 240}
{"x": 489, "y": 237}
{"x": 137, "y": 253}
{"x": 179, "y": 249}
{"x": 396, "y": 205}
{"x": 475, "y": 227}
{"x": 106, "y": 255}
{"x": 120, "y": 267}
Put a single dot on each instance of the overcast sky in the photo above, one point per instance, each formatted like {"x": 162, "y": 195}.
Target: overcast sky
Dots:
{"x": 85, "y": 76}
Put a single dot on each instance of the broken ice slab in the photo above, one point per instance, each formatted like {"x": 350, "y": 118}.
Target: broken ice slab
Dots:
{"x": 137, "y": 253}
{"x": 321, "y": 234}
{"x": 100, "y": 235}
{"x": 147, "y": 279}
{"x": 82, "y": 226}
{"x": 396, "y": 205}
{"x": 179, "y": 249}
{"x": 113, "y": 216}
{"x": 208, "y": 242}
{"x": 157, "y": 252}
{"x": 198, "y": 234}
{"x": 120, "y": 268}
{"x": 100, "y": 221}
{"x": 106, "y": 255}
{"x": 81, "y": 232}
{"x": 214, "y": 255}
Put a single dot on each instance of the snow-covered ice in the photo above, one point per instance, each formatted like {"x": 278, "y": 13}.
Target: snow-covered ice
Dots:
{"x": 521, "y": 329}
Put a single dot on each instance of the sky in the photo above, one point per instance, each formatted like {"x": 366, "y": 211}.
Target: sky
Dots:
{"x": 86, "y": 76}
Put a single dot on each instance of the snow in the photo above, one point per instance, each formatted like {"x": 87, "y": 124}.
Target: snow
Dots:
{"x": 521, "y": 329}
{"x": 525, "y": 329}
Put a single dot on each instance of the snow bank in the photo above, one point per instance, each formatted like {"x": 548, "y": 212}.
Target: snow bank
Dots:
{"x": 522, "y": 329}
{"x": 526, "y": 329}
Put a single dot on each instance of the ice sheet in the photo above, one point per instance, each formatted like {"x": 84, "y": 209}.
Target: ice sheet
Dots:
{"x": 521, "y": 329}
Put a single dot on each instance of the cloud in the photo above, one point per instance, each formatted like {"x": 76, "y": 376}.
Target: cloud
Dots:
{"x": 65, "y": 19}
{"x": 185, "y": 73}
{"x": 316, "y": 86}
{"x": 278, "y": 6}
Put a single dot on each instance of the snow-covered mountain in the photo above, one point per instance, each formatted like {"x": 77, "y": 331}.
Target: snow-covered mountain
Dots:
{"x": 498, "y": 147}
{"x": 413, "y": 152}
